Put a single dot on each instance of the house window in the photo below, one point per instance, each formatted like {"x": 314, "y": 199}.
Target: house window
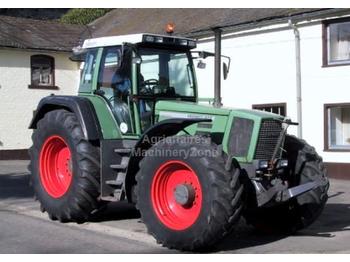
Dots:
{"x": 337, "y": 127}
{"x": 42, "y": 72}
{"x": 277, "y": 108}
{"x": 336, "y": 42}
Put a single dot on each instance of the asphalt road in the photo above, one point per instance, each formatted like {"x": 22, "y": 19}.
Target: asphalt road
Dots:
{"x": 24, "y": 229}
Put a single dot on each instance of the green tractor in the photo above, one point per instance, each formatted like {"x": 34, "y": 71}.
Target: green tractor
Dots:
{"x": 138, "y": 132}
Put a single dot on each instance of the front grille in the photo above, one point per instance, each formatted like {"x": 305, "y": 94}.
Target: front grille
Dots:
{"x": 269, "y": 133}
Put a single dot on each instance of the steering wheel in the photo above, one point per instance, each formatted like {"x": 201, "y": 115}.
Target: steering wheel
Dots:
{"x": 151, "y": 82}
{"x": 147, "y": 86}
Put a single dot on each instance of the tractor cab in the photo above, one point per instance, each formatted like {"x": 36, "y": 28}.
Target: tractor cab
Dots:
{"x": 133, "y": 72}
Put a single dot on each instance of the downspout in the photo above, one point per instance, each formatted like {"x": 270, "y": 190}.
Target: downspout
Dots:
{"x": 298, "y": 77}
{"x": 217, "y": 68}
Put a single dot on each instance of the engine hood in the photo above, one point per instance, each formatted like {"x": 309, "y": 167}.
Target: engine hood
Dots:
{"x": 180, "y": 109}
{"x": 221, "y": 124}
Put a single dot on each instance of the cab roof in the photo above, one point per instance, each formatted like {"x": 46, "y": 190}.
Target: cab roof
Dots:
{"x": 134, "y": 39}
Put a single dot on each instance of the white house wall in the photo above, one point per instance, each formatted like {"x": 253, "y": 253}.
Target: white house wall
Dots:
{"x": 263, "y": 72}
{"x": 17, "y": 101}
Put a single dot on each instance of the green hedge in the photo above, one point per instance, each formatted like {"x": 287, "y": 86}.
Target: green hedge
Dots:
{"x": 83, "y": 16}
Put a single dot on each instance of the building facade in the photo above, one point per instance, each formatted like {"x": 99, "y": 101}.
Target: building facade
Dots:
{"x": 34, "y": 63}
{"x": 263, "y": 76}
{"x": 25, "y": 78}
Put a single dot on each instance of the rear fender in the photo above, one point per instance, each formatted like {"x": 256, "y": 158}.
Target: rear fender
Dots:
{"x": 80, "y": 106}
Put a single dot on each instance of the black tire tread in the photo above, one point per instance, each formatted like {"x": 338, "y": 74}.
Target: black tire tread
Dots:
{"x": 225, "y": 207}
{"x": 86, "y": 190}
{"x": 293, "y": 216}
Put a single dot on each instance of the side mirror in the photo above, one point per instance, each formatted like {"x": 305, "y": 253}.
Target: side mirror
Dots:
{"x": 225, "y": 70}
{"x": 201, "y": 65}
{"x": 79, "y": 54}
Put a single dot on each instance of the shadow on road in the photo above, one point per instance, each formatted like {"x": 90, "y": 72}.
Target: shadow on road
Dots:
{"x": 335, "y": 218}
{"x": 15, "y": 185}
{"x": 116, "y": 211}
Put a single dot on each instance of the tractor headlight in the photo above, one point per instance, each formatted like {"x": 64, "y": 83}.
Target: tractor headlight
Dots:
{"x": 192, "y": 43}
{"x": 169, "y": 40}
{"x": 283, "y": 163}
{"x": 183, "y": 42}
{"x": 149, "y": 38}
{"x": 159, "y": 39}
{"x": 263, "y": 164}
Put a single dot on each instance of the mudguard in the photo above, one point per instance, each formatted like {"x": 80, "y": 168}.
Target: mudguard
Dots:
{"x": 166, "y": 128}
{"x": 162, "y": 129}
{"x": 80, "y": 106}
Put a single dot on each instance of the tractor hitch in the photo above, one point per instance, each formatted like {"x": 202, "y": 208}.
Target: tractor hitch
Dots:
{"x": 280, "y": 191}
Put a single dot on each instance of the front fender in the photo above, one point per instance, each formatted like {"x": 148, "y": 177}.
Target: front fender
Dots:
{"x": 162, "y": 129}
{"x": 166, "y": 128}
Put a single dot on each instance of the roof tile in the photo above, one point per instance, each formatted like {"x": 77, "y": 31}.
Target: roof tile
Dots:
{"x": 39, "y": 34}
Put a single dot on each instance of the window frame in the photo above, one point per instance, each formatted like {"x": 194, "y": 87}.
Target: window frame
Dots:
{"x": 325, "y": 47}
{"x": 326, "y": 147}
{"x": 260, "y": 106}
{"x": 85, "y": 87}
{"x": 103, "y": 60}
{"x": 52, "y": 86}
{"x": 192, "y": 98}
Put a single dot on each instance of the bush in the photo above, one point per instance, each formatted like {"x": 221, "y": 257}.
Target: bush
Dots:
{"x": 83, "y": 16}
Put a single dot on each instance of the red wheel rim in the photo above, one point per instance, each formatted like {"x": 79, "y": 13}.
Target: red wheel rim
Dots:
{"x": 168, "y": 177}
{"x": 55, "y": 166}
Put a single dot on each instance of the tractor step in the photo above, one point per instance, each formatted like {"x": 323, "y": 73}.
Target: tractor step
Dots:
{"x": 123, "y": 150}
{"x": 119, "y": 181}
{"x": 118, "y": 167}
{"x": 117, "y": 194}
{"x": 115, "y": 155}
{"x": 113, "y": 183}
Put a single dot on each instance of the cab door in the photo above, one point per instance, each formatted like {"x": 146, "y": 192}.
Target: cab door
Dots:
{"x": 115, "y": 85}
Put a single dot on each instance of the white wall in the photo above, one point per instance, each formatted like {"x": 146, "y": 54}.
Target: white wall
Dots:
{"x": 263, "y": 71}
{"x": 17, "y": 101}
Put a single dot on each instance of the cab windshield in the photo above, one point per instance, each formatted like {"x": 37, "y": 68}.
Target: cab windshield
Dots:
{"x": 166, "y": 74}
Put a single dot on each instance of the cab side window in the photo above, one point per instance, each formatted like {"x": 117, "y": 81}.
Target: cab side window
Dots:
{"x": 89, "y": 67}
{"x": 109, "y": 67}
{"x": 88, "y": 71}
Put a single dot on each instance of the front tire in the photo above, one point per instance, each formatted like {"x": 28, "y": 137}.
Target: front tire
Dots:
{"x": 296, "y": 214}
{"x": 64, "y": 168}
{"x": 187, "y": 202}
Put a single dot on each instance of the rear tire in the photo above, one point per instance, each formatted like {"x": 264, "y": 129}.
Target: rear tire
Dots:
{"x": 65, "y": 168}
{"x": 217, "y": 194}
{"x": 296, "y": 214}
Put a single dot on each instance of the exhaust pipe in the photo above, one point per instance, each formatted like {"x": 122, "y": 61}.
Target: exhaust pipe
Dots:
{"x": 298, "y": 78}
{"x": 217, "y": 68}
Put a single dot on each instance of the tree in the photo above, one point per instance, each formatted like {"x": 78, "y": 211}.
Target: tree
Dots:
{"x": 83, "y": 16}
